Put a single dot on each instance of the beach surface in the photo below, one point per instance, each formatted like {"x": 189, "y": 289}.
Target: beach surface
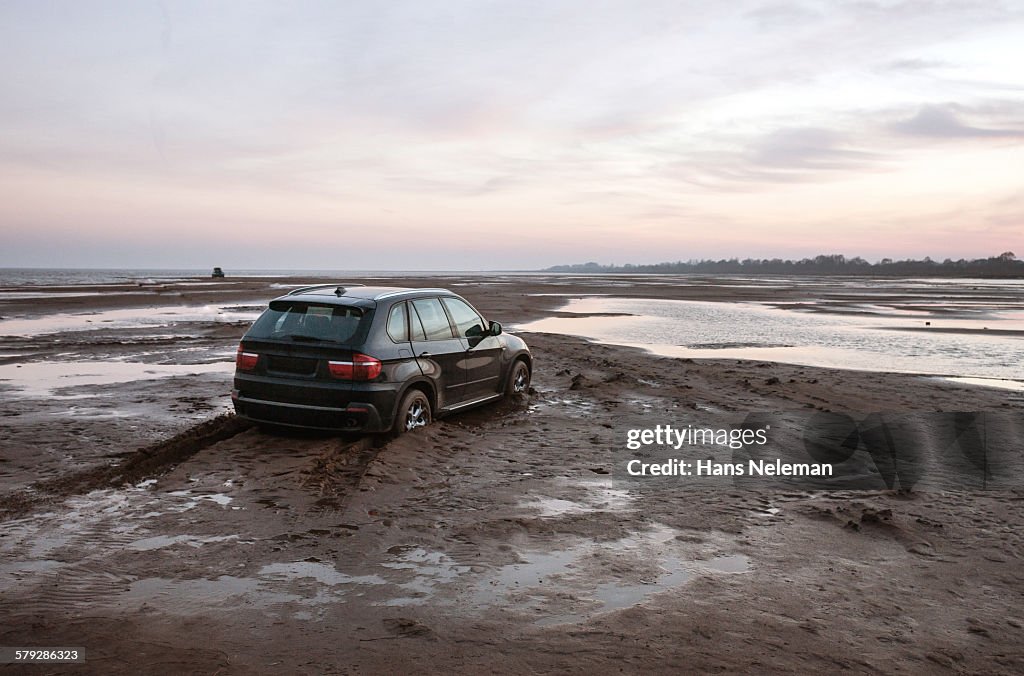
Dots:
{"x": 147, "y": 525}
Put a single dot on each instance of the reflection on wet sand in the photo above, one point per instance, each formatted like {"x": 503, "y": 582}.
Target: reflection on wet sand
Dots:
{"x": 987, "y": 346}
{"x": 49, "y": 379}
{"x": 136, "y": 317}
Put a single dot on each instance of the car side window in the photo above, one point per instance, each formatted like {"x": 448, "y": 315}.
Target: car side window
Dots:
{"x": 433, "y": 322}
{"x": 466, "y": 319}
{"x": 397, "y": 326}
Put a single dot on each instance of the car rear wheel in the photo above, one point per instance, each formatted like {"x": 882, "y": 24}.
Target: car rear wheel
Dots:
{"x": 518, "y": 379}
{"x": 413, "y": 412}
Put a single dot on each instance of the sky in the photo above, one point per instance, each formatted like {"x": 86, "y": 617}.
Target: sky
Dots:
{"x": 450, "y": 135}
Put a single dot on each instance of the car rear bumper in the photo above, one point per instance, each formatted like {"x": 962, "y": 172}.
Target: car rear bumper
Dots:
{"x": 354, "y": 417}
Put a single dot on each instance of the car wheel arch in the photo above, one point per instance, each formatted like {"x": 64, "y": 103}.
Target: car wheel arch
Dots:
{"x": 424, "y": 386}
{"x": 524, "y": 357}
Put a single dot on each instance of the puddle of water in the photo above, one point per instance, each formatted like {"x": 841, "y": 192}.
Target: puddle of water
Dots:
{"x": 202, "y": 593}
{"x": 616, "y": 596}
{"x": 600, "y": 496}
{"x": 90, "y": 411}
{"x": 150, "y": 317}
{"x": 27, "y": 295}
{"x": 568, "y": 567}
{"x": 321, "y": 572}
{"x": 1013, "y": 385}
{"x": 555, "y": 506}
{"x": 192, "y": 501}
{"x": 751, "y": 331}
{"x": 228, "y": 591}
{"x": 655, "y": 536}
{"x": 42, "y": 379}
{"x": 642, "y": 404}
{"x": 567, "y": 294}
{"x": 603, "y": 494}
{"x": 48, "y": 535}
{"x": 428, "y": 569}
{"x": 162, "y": 541}
{"x": 219, "y": 498}
{"x": 534, "y": 570}
{"x": 570, "y": 405}
{"x": 98, "y": 502}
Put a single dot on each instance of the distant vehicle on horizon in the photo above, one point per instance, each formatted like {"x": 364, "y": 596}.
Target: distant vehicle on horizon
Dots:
{"x": 217, "y": 272}
{"x": 373, "y": 359}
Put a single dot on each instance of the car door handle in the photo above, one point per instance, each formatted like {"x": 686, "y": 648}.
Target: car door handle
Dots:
{"x": 424, "y": 354}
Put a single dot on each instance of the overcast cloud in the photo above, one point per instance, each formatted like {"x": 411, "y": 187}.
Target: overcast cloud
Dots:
{"x": 468, "y": 135}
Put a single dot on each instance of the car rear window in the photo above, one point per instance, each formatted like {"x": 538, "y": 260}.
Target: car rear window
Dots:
{"x": 308, "y": 322}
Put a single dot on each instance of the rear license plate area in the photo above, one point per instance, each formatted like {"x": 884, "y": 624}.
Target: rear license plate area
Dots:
{"x": 293, "y": 365}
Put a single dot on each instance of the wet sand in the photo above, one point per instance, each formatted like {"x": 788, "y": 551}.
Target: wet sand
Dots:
{"x": 147, "y": 526}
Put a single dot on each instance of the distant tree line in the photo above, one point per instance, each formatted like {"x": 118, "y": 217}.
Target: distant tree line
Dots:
{"x": 1003, "y": 265}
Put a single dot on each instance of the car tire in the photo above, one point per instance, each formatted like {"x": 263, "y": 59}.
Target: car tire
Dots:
{"x": 413, "y": 412}
{"x": 518, "y": 379}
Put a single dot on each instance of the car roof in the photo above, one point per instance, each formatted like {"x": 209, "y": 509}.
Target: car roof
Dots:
{"x": 344, "y": 293}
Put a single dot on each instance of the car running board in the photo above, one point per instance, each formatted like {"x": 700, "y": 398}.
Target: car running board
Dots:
{"x": 473, "y": 402}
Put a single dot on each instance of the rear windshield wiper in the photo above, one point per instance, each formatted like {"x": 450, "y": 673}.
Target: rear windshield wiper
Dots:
{"x": 306, "y": 339}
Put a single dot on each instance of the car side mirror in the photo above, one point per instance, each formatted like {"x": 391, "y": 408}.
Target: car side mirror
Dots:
{"x": 495, "y": 329}
{"x": 475, "y": 334}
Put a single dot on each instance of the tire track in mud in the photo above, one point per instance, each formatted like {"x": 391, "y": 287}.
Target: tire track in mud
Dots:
{"x": 337, "y": 473}
{"x": 59, "y": 571}
{"x": 86, "y": 554}
{"x": 143, "y": 463}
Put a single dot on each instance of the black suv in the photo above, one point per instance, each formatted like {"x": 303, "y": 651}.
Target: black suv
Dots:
{"x": 372, "y": 359}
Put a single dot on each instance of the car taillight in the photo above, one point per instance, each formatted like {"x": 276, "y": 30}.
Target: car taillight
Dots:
{"x": 362, "y": 367}
{"x": 246, "y": 361}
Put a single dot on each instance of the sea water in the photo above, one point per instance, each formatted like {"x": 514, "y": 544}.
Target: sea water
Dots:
{"x": 941, "y": 334}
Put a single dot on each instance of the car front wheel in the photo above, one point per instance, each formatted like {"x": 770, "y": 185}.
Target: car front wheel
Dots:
{"x": 413, "y": 412}
{"x": 518, "y": 379}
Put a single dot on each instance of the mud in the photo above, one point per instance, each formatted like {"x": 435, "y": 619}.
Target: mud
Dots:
{"x": 173, "y": 538}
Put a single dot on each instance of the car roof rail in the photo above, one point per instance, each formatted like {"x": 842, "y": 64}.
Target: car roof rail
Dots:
{"x": 401, "y": 291}
{"x": 339, "y": 288}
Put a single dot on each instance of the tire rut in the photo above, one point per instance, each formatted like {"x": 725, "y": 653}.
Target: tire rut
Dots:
{"x": 135, "y": 466}
{"x": 337, "y": 473}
